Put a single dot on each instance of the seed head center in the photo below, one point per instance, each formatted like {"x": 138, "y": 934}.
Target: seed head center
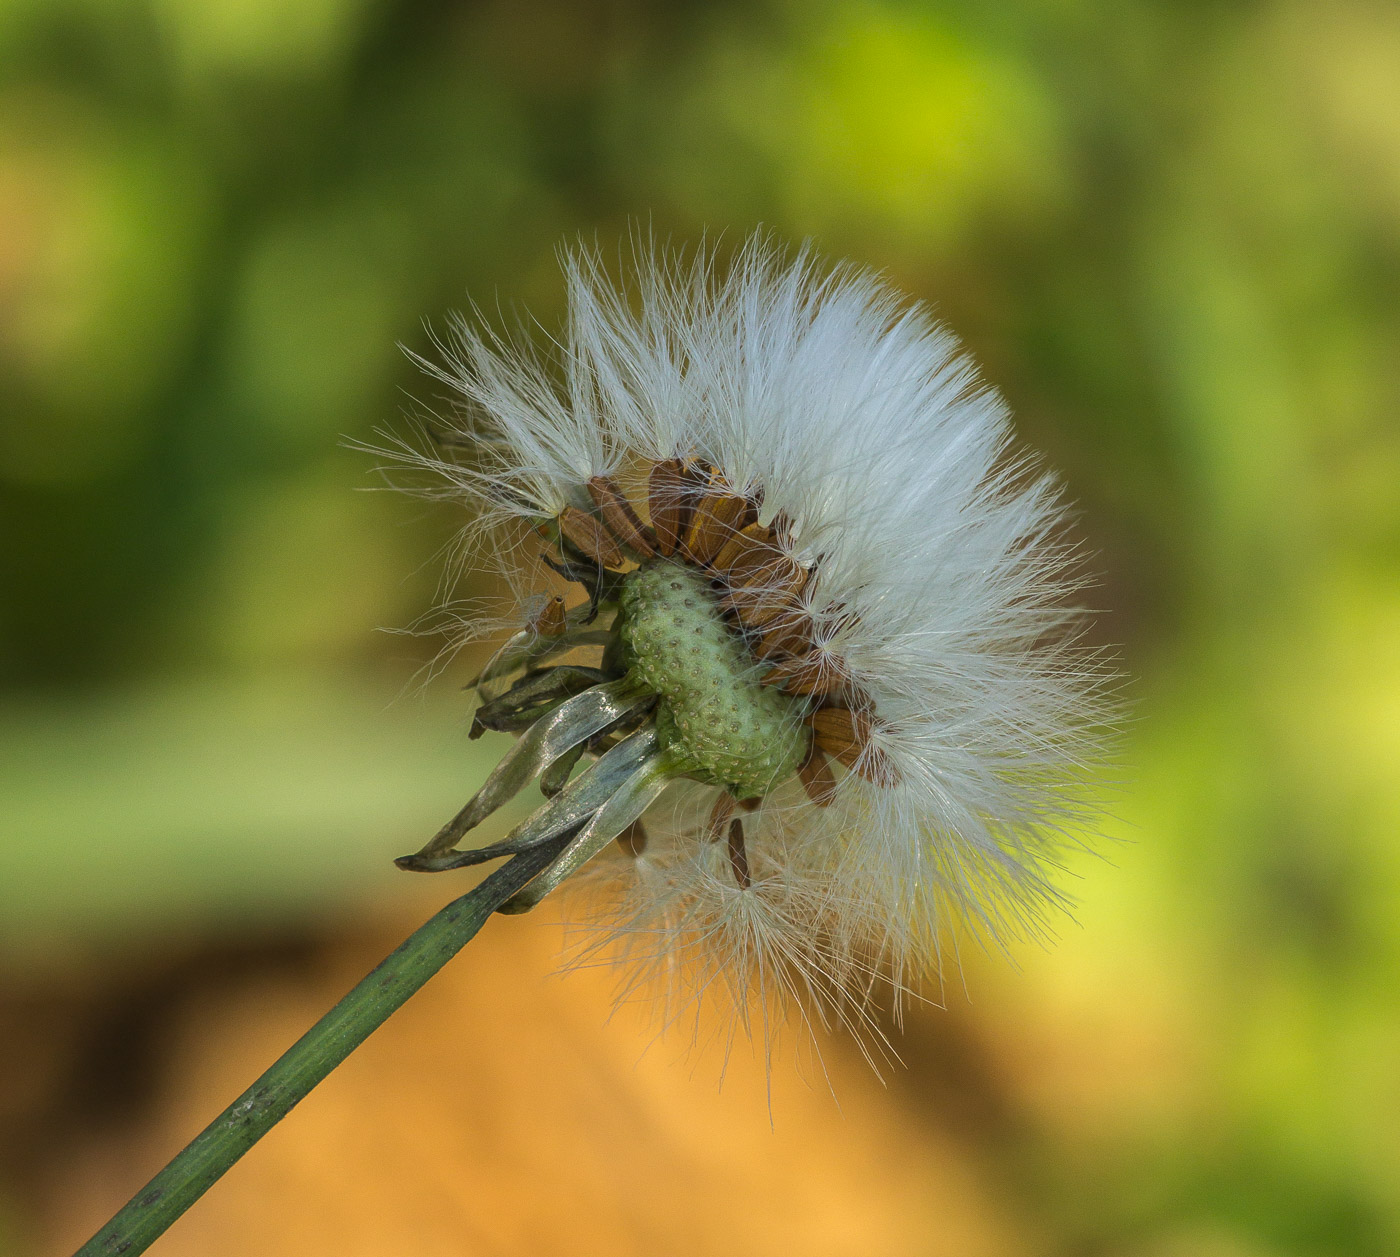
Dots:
{"x": 717, "y": 722}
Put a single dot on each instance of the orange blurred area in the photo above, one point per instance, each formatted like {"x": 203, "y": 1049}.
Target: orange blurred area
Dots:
{"x": 500, "y": 1112}
{"x": 1170, "y": 233}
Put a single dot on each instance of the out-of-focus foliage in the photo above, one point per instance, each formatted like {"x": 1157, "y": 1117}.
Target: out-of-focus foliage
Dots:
{"x": 1171, "y": 234}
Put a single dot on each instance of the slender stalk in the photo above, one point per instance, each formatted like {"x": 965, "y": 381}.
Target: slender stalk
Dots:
{"x": 205, "y": 1159}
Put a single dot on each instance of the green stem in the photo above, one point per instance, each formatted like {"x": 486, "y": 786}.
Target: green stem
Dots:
{"x": 205, "y": 1159}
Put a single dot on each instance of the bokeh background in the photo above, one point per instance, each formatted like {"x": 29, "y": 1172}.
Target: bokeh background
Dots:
{"x": 1171, "y": 234}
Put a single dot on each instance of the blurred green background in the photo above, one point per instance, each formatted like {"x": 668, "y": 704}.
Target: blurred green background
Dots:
{"x": 1170, "y": 232}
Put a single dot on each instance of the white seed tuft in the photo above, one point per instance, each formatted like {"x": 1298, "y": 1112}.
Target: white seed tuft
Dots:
{"x": 941, "y": 586}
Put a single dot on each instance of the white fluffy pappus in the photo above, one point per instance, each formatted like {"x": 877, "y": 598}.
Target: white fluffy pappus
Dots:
{"x": 816, "y": 452}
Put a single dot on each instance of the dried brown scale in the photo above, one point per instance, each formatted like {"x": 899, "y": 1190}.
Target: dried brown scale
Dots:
{"x": 617, "y": 512}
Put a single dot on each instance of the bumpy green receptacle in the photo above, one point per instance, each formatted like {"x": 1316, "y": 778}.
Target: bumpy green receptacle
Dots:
{"x": 715, "y": 720}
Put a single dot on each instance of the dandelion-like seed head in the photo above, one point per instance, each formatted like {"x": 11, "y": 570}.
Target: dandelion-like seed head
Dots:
{"x": 817, "y": 695}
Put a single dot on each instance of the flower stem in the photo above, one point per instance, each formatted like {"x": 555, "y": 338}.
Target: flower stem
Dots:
{"x": 308, "y": 1061}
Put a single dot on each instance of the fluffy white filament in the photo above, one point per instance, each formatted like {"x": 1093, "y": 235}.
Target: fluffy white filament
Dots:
{"x": 942, "y": 583}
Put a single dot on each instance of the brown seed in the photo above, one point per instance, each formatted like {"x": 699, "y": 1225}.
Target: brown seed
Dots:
{"x": 763, "y": 591}
{"x": 817, "y": 778}
{"x": 845, "y": 735}
{"x": 815, "y": 673}
{"x": 756, "y": 539}
{"x": 878, "y": 769}
{"x": 738, "y": 856}
{"x": 841, "y": 733}
{"x": 763, "y": 569}
{"x": 619, "y": 516}
{"x": 589, "y": 535}
{"x": 719, "y": 816}
{"x": 672, "y": 489}
{"x": 718, "y": 516}
{"x": 789, "y": 635}
{"x": 551, "y": 620}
